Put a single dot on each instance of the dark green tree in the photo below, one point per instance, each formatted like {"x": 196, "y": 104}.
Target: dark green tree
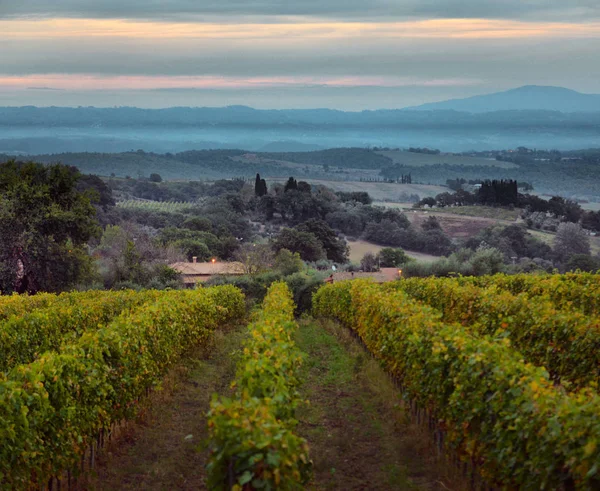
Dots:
{"x": 393, "y": 258}
{"x": 369, "y": 263}
{"x": 45, "y": 224}
{"x": 97, "y": 190}
{"x": 266, "y": 206}
{"x": 431, "y": 223}
{"x": 290, "y": 185}
{"x": 258, "y": 188}
{"x": 304, "y": 243}
{"x": 335, "y": 248}
{"x": 304, "y": 187}
{"x": 583, "y": 262}
{"x": 264, "y": 190}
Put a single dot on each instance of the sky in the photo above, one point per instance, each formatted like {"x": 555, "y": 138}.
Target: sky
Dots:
{"x": 342, "y": 54}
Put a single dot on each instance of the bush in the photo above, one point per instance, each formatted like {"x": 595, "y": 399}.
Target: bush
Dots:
{"x": 369, "y": 263}
{"x": 393, "y": 258}
{"x": 287, "y": 262}
{"x": 464, "y": 262}
{"x": 583, "y": 262}
{"x": 303, "y": 286}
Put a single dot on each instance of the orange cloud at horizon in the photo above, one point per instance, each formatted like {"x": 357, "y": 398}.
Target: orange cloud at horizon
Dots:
{"x": 436, "y": 29}
{"x": 132, "y": 82}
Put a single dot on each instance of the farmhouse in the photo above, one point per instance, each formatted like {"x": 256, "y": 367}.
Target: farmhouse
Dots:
{"x": 196, "y": 272}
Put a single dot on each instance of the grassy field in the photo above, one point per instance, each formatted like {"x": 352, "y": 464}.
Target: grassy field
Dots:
{"x": 421, "y": 159}
{"x": 167, "y": 206}
{"x": 468, "y": 211}
{"x": 482, "y": 212}
{"x": 359, "y": 248}
{"x": 548, "y": 238}
{"x": 379, "y": 191}
{"x": 591, "y": 206}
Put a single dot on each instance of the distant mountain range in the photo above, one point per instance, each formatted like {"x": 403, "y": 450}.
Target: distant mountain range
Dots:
{"x": 527, "y": 98}
{"x": 531, "y": 116}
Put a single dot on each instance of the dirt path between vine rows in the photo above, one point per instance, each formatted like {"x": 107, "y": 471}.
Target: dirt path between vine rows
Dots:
{"x": 163, "y": 451}
{"x": 359, "y": 435}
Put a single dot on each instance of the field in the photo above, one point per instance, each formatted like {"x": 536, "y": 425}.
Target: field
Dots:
{"x": 490, "y": 212}
{"x": 413, "y": 384}
{"x": 413, "y": 159}
{"x": 142, "y": 204}
{"x": 359, "y": 248}
{"x": 548, "y": 238}
{"x": 379, "y": 191}
{"x": 591, "y": 206}
{"x": 467, "y": 221}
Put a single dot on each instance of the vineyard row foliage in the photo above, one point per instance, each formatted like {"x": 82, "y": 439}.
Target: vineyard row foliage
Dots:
{"x": 21, "y": 304}
{"x": 579, "y": 291}
{"x": 252, "y": 440}
{"x": 500, "y": 413}
{"x": 53, "y": 408}
{"x": 62, "y": 319}
{"x": 564, "y": 341}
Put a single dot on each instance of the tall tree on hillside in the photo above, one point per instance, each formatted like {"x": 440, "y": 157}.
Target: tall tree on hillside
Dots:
{"x": 260, "y": 186}
{"x": 257, "y": 186}
{"x": 45, "y": 224}
{"x": 290, "y": 185}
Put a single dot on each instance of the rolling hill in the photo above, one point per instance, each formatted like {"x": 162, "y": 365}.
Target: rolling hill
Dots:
{"x": 527, "y": 98}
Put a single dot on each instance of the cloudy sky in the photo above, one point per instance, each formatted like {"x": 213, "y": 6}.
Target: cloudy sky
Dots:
{"x": 346, "y": 54}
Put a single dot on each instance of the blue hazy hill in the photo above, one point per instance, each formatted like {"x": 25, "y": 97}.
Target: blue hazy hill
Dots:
{"x": 529, "y": 97}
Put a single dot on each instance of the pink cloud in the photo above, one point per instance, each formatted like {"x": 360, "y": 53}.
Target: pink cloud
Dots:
{"x": 94, "y": 82}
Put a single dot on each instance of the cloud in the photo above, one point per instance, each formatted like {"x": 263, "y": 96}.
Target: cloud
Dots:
{"x": 90, "y": 82}
{"x": 298, "y": 46}
{"x": 39, "y": 88}
{"x": 237, "y": 10}
{"x": 437, "y": 50}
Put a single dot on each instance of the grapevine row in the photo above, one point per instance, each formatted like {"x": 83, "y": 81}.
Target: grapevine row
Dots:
{"x": 21, "y": 304}
{"x": 502, "y": 414}
{"x": 566, "y": 343}
{"x": 52, "y": 408}
{"x": 64, "y": 319}
{"x": 572, "y": 290}
{"x": 252, "y": 440}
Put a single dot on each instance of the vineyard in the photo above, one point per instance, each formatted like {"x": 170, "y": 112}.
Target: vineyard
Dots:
{"x": 505, "y": 369}
{"x": 79, "y": 363}
{"x": 157, "y": 206}
{"x": 495, "y": 377}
